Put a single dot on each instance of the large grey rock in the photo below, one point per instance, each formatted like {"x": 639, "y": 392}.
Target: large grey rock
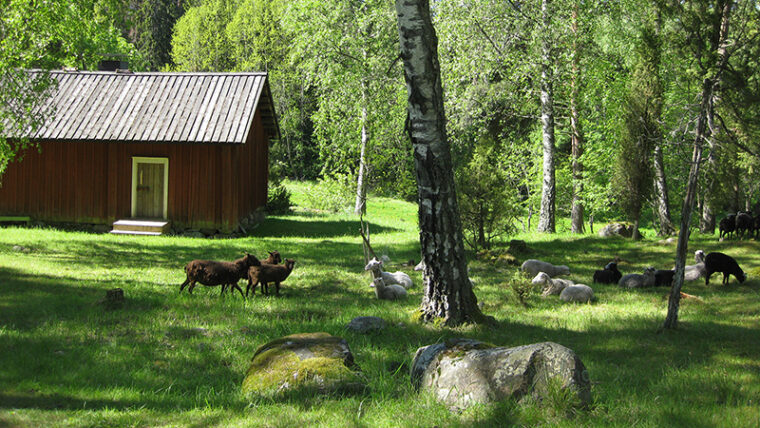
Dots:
{"x": 462, "y": 372}
{"x": 577, "y": 293}
{"x": 314, "y": 362}
{"x": 365, "y": 325}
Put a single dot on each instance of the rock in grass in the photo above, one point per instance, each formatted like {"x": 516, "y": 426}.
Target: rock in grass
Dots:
{"x": 462, "y": 372}
{"x": 310, "y": 362}
{"x": 363, "y": 325}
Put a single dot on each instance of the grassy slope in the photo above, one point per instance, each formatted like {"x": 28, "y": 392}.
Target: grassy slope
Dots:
{"x": 67, "y": 361}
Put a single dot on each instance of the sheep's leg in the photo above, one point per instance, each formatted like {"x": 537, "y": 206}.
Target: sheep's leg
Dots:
{"x": 190, "y": 288}
{"x": 264, "y": 288}
{"x": 707, "y": 278}
{"x": 248, "y": 288}
{"x": 237, "y": 287}
{"x": 725, "y": 278}
{"x": 182, "y": 287}
{"x": 277, "y": 288}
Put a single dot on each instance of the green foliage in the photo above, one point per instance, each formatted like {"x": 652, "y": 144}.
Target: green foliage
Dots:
{"x": 487, "y": 204}
{"x": 200, "y": 40}
{"x": 332, "y": 194}
{"x": 278, "y": 199}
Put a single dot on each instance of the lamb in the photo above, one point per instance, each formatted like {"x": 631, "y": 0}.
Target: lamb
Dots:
{"x": 609, "y": 275}
{"x": 273, "y": 259}
{"x": 719, "y": 262}
{"x": 212, "y": 273}
{"x": 635, "y": 280}
{"x": 533, "y": 267}
{"x": 387, "y": 292}
{"x": 398, "y": 277}
{"x": 580, "y": 293}
{"x": 551, "y": 286}
{"x": 266, "y": 273}
{"x": 727, "y": 226}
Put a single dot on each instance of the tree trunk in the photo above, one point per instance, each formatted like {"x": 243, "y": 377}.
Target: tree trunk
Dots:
{"x": 448, "y": 294}
{"x": 662, "y": 201}
{"x": 576, "y": 213}
{"x": 709, "y": 86}
{"x": 548, "y": 190}
{"x": 360, "y": 207}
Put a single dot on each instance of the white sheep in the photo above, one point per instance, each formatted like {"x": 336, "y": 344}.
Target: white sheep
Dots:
{"x": 580, "y": 293}
{"x": 635, "y": 280}
{"x": 398, "y": 277}
{"x": 533, "y": 267}
{"x": 551, "y": 286}
{"x": 695, "y": 271}
{"x": 387, "y": 292}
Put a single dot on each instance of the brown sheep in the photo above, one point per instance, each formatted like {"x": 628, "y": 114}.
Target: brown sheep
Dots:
{"x": 265, "y": 274}
{"x": 212, "y": 273}
{"x": 273, "y": 259}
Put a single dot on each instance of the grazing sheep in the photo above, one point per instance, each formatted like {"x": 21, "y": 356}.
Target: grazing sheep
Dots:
{"x": 266, "y": 273}
{"x": 212, "y": 273}
{"x": 273, "y": 259}
{"x": 609, "y": 275}
{"x": 398, "y": 277}
{"x": 719, "y": 262}
{"x": 551, "y": 286}
{"x": 663, "y": 277}
{"x": 635, "y": 280}
{"x": 727, "y": 226}
{"x": 577, "y": 293}
{"x": 387, "y": 292}
{"x": 533, "y": 267}
{"x": 744, "y": 223}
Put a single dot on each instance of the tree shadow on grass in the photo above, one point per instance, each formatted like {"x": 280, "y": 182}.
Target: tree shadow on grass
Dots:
{"x": 284, "y": 227}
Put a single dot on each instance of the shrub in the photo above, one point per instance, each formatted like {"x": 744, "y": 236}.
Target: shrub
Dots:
{"x": 334, "y": 194}
{"x": 278, "y": 200}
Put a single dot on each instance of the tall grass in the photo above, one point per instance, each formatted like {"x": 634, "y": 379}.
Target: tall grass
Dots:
{"x": 174, "y": 359}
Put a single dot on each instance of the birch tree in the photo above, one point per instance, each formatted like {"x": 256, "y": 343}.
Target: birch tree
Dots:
{"x": 448, "y": 293}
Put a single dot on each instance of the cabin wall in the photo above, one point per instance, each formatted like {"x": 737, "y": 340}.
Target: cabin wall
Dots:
{"x": 210, "y": 185}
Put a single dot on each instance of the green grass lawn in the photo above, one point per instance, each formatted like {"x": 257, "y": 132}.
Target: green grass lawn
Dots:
{"x": 171, "y": 359}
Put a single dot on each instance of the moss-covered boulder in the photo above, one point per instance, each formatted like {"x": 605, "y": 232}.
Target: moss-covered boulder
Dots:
{"x": 312, "y": 362}
{"x": 463, "y": 372}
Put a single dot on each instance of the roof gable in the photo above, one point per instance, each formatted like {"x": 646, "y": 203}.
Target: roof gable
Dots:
{"x": 157, "y": 107}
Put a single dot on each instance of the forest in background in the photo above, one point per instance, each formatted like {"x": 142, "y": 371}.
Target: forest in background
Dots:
{"x": 597, "y": 101}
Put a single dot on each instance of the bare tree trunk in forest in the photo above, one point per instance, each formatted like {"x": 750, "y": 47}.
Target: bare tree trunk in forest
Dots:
{"x": 576, "y": 212}
{"x": 448, "y": 294}
{"x": 709, "y": 86}
{"x": 361, "y": 182}
{"x": 549, "y": 189}
{"x": 661, "y": 194}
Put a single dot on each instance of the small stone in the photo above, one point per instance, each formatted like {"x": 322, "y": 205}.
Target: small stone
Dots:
{"x": 21, "y": 249}
{"x": 363, "y": 325}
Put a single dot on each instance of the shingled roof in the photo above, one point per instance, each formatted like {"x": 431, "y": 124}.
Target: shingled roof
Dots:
{"x": 157, "y": 107}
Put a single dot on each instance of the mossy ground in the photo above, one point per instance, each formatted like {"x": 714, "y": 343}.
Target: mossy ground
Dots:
{"x": 65, "y": 360}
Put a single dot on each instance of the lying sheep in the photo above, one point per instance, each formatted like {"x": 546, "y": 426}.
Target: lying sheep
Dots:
{"x": 212, "y": 273}
{"x": 663, "y": 277}
{"x": 695, "y": 271}
{"x": 389, "y": 291}
{"x": 635, "y": 280}
{"x": 551, "y": 286}
{"x": 719, "y": 262}
{"x": 533, "y": 267}
{"x": 398, "y": 277}
{"x": 267, "y": 273}
{"x": 609, "y": 275}
{"x": 577, "y": 293}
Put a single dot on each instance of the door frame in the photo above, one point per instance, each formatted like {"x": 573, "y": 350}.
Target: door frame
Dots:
{"x": 137, "y": 160}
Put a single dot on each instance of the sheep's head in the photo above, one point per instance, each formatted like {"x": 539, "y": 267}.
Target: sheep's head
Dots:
{"x": 275, "y": 257}
{"x": 289, "y": 263}
{"x": 374, "y": 264}
{"x": 611, "y": 266}
{"x": 249, "y": 260}
{"x": 541, "y": 278}
{"x": 699, "y": 256}
{"x": 650, "y": 271}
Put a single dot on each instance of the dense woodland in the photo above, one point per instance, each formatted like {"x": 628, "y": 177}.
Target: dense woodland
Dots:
{"x": 563, "y": 109}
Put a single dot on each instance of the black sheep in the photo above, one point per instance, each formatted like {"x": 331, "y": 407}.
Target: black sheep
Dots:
{"x": 727, "y": 226}
{"x": 744, "y": 223}
{"x": 663, "y": 277}
{"x": 719, "y": 262}
{"x": 609, "y": 275}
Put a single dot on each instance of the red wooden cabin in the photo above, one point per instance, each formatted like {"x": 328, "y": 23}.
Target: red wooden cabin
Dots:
{"x": 186, "y": 148}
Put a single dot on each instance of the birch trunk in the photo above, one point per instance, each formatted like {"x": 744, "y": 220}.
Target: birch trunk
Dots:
{"x": 548, "y": 189}
{"x": 709, "y": 87}
{"x": 360, "y": 207}
{"x": 661, "y": 194}
{"x": 576, "y": 212}
{"x": 448, "y": 294}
